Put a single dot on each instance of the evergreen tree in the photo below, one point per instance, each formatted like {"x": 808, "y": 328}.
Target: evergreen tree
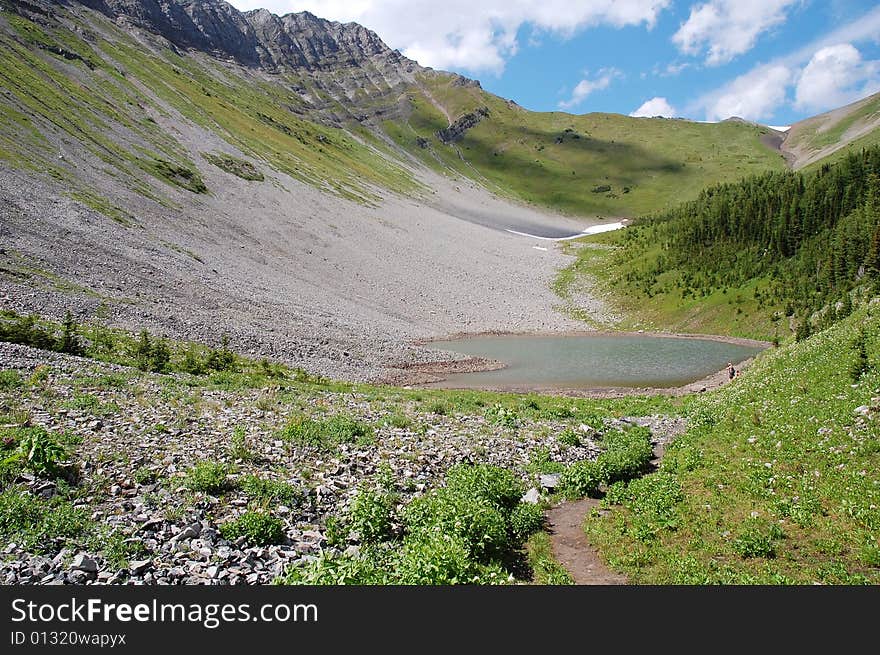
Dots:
{"x": 160, "y": 356}
{"x": 804, "y": 329}
{"x": 70, "y": 342}
{"x": 861, "y": 365}
{"x": 143, "y": 351}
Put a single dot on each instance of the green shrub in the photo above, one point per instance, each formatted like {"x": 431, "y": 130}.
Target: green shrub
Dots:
{"x": 267, "y": 492}
{"x": 756, "y": 539}
{"x": 569, "y": 437}
{"x": 438, "y": 407}
{"x": 653, "y": 501}
{"x": 860, "y": 365}
{"x": 9, "y": 380}
{"x": 581, "y": 479}
{"x": 366, "y": 568}
{"x": 69, "y": 342}
{"x": 235, "y": 166}
{"x": 143, "y": 351}
{"x": 25, "y": 331}
{"x": 481, "y": 525}
{"x": 238, "y": 449}
{"x": 525, "y": 519}
{"x": 372, "y": 515}
{"x": 326, "y": 434}
{"x": 144, "y": 475}
{"x": 175, "y": 174}
{"x": 192, "y": 362}
{"x": 38, "y": 525}
{"x": 38, "y": 451}
{"x": 490, "y": 484}
{"x": 259, "y": 529}
{"x": 626, "y": 455}
{"x": 223, "y": 359}
{"x": 435, "y": 558}
{"x": 208, "y": 476}
{"x": 500, "y": 415}
{"x": 457, "y": 534}
{"x": 160, "y": 356}
{"x": 399, "y": 421}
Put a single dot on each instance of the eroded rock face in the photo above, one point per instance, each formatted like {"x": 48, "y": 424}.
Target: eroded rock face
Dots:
{"x": 457, "y": 130}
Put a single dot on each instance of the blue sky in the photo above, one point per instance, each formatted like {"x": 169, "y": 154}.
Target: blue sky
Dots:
{"x": 772, "y": 61}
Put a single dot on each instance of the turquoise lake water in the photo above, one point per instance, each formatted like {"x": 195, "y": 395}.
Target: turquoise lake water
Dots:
{"x": 592, "y": 361}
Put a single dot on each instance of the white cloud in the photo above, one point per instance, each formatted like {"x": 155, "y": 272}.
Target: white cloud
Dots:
{"x": 754, "y": 96}
{"x": 727, "y": 28}
{"x": 476, "y": 36}
{"x": 757, "y": 94}
{"x": 835, "y": 76}
{"x": 655, "y": 107}
{"x": 587, "y": 86}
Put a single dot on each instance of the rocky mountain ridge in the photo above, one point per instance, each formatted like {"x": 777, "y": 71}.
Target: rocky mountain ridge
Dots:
{"x": 258, "y": 37}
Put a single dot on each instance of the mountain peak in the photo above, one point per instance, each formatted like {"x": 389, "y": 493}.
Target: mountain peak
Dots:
{"x": 256, "y": 38}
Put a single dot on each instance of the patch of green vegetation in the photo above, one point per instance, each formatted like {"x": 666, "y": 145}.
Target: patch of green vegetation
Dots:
{"x": 103, "y": 206}
{"x": 209, "y": 477}
{"x": 625, "y": 455}
{"x": 327, "y": 434}
{"x": 90, "y": 403}
{"x": 38, "y": 525}
{"x": 175, "y": 174}
{"x": 258, "y": 529}
{"x": 34, "y": 449}
{"x": 9, "y": 380}
{"x": 371, "y": 516}
{"x": 269, "y": 492}
{"x": 458, "y": 534}
{"x": 235, "y": 166}
{"x": 775, "y": 481}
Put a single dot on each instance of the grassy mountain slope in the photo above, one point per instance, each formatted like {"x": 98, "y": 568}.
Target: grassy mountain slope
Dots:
{"x": 600, "y": 164}
{"x": 77, "y": 81}
{"x": 775, "y": 482}
{"x": 828, "y": 137}
{"x": 115, "y": 97}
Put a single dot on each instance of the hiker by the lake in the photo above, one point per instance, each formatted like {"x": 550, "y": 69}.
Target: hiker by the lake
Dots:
{"x": 731, "y": 372}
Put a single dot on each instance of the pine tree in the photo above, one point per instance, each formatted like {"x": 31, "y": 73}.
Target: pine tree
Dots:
{"x": 804, "y": 329}
{"x": 861, "y": 365}
{"x": 143, "y": 351}
{"x": 160, "y": 356}
{"x": 70, "y": 342}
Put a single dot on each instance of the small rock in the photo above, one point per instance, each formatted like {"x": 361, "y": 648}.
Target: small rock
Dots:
{"x": 550, "y": 480}
{"x": 139, "y": 566}
{"x": 83, "y": 562}
{"x": 80, "y": 577}
{"x": 190, "y": 531}
{"x": 532, "y": 496}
